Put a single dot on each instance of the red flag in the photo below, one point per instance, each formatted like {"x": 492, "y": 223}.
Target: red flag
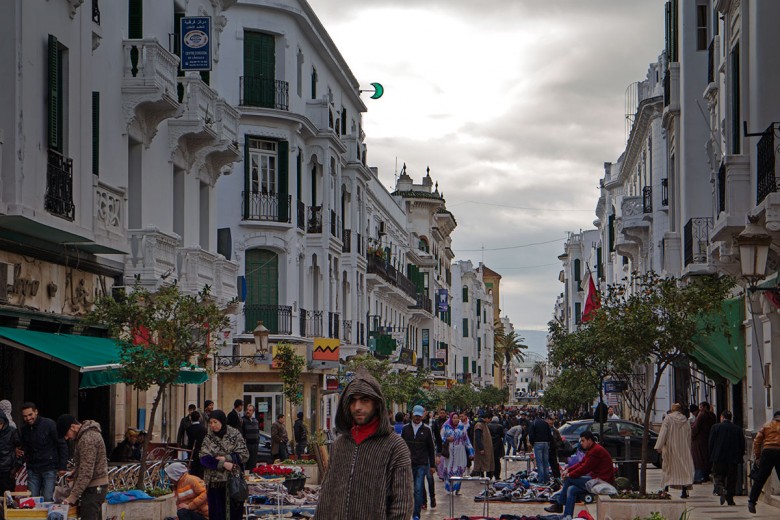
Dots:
{"x": 592, "y": 301}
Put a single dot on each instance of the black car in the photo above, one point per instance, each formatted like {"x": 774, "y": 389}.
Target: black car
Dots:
{"x": 264, "y": 449}
{"x": 616, "y": 431}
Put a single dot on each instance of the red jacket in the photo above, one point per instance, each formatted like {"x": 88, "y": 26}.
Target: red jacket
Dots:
{"x": 597, "y": 463}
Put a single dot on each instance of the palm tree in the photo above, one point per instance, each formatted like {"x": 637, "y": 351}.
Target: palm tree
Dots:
{"x": 538, "y": 372}
{"x": 511, "y": 347}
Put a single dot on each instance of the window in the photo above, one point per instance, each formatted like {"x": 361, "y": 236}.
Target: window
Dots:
{"x": 465, "y": 327}
{"x": 262, "y": 166}
{"x": 701, "y": 27}
{"x": 577, "y": 270}
{"x": 577, "y": 313}
{"x": 135, "y": 19}
{"x": 299, "y": 74}
{"x": 258, "y": 83}
{"x": 313, "y": 83}
{"x": 55, "y": 94}
{"x": 611, "y": 232}
{"x": 465, "y": 293}
{"x": 736, "y": 138}
{"x": 96, "y": 133}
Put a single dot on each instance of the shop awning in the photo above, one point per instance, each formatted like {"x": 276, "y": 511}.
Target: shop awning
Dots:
{"x": 97, "y": 359}
{"x": 721, "y": 354}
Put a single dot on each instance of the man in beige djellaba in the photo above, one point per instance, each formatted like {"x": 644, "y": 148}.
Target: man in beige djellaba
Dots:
{"x": 674, "y": 445}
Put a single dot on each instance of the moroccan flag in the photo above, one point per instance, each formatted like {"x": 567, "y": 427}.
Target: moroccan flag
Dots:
{"x": 592, "y": 301}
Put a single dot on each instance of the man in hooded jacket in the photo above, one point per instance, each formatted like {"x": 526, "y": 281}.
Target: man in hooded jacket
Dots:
{"x": 90, "y": 472}
{"x": 9, "y": 441}
{"x": 370, "y": 474}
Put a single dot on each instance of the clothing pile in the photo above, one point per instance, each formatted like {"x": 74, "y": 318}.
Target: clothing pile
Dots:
{"x": 508, "y": 517}
{"x": 520, "y": 487}
{"x": 273, "y": 494}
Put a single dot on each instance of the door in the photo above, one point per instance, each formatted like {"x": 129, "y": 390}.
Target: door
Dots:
{"x": 259, "y": 70}
{"x": 262, "y": 274}
{"x": 267, "y": 406}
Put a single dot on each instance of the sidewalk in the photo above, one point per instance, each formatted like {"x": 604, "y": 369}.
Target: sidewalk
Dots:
{"x": 702, "y": 503}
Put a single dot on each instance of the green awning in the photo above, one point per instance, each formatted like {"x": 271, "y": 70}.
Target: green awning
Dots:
{"x": 97, "y": 359}
{"x": 721, "y": 354}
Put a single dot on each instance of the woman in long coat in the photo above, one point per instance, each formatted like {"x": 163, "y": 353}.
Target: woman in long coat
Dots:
{"x": 223, "y": 451}
{"x": 483, "y": 450}
{"x": 674, "y": 444}
{"x": 454, "y": 435}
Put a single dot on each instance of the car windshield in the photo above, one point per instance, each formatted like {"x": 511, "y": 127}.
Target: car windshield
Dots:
{"x": 573, "y": 428}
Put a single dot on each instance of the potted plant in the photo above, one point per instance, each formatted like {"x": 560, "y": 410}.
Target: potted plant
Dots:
{"x": 632, "y": 504}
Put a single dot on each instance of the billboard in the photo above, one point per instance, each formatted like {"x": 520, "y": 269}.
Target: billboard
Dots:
{"x": 195, "y": 43}
{"x": 442, "y": 300}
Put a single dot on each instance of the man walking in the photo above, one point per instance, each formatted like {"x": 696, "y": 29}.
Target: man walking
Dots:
{"x": 541, "y": 437}
{"x": 727, "y": 447}
{"x": 766, "y": 449}
{"x": 44, "y": 451}
{"x": 9, "y": 442}
{"x": 422, "y": 450}
{"x": 370, "y": 474}
{"x": 300, "y": 434}
{"x": 208, "y": 407}
{"x": 279, "y": 438}
{"x": 251, "y": 433}
{"x": 497, "y": 433}
{"x": 186, "y": 422}
{"x": 235, "y": 417}
{"x": 700, "y": 437}
{"x": 90, "y": 474}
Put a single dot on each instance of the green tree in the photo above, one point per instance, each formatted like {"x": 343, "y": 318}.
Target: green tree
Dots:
{"x": 400, "y": 387}
{"x": 491, "y": 396}
{"x": 158, "y": 334}
{"x": 538, "y": 372}
{"x": 461, "y": 397}
{"x": 507, "y": 346}
{"x": 291, "y": 367}
{"x": 571, "y": 391}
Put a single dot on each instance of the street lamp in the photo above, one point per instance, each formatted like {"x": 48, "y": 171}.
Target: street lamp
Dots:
{"x": 753, "y": 244}
{"x": 261, "y": 338}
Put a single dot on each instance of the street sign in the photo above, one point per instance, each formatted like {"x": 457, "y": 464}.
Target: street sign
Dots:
{"x": 437, "y": 364}
{"x": 195, "y": 43}
{"x": 615, "y": 387}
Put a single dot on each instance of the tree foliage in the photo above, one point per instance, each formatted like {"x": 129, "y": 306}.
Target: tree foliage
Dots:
{"x": 571, "y": 391}
{"x": 291, "y": 365}
{"x": 461, "y": 397}
{"x": 158, "y": 334}
{"x": 491, "y": 396}
{"x": 401, "y": 387}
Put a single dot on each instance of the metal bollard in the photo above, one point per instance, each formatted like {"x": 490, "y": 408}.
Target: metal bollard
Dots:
{"x": 485, "y": 504}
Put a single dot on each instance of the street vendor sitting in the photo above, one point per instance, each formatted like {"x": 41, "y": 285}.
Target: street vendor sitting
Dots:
{"x": 597, "y": 464}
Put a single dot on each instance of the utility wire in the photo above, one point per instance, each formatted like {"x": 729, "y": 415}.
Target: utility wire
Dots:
{"x": 510, "y": 247}
{"x": 514, "y": 207}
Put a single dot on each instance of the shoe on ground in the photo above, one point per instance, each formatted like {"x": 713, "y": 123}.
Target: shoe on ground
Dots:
{"x": 554, "y": 508}
{"x": 752, "y": 507}
{"x": 731, "y": 502}
{"x": 722, "y": 499}
{"x": 415, "y": 518}
{"x": 433, "y": 503}
{"x": 424, "y": 506}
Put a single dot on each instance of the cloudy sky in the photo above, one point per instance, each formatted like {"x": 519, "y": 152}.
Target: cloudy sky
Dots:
{"x": 514, "y": 104}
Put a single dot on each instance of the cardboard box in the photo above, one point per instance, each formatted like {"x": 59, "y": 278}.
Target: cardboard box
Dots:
{"x": 39, "y": 514}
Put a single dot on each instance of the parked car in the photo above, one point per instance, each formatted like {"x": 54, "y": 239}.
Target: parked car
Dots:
{"x": 615, "y": 433}
{"x": 264, "y": 449}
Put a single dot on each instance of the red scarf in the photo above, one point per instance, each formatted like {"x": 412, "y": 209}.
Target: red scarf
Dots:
{"x": 361, "y": 433}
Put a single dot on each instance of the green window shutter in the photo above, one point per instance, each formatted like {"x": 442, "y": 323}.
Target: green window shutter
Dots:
{"x": 54, "y": 93}
{"x": 479, "y": 307}
{"x": 298, "y": 177}
{"x": 177, "y": 36}
{"x": 599, "y": 265}
{"x": 284, "y": 183}
{"x": 259, "y": 69}
{"x": 479, "y": 371}
{"x": 465, "y": 327}
{"x": 736, "y": 138}
{"x": 96, "y": 133}
{"x": 262, "y": 297}
{"x": 577, "y": 312}
{"x": 313, "y": 83}
{"x": 611, "y": 231}
{"x": 135, "y": 19}
{"x": 473, "y": 366}
{"x": 246, "y": 178}
{"x": 577, "y": 270}
{"x": 465, "y": 365}
{"x": 465, "y": 293}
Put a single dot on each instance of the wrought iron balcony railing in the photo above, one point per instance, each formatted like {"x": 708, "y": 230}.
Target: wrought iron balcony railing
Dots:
{"x": 301, "y": 215}
{"x": 264, "y": 93}
{"x": 696, "y": 238}
{"x": 58, "y": 199}
{"x": 335, "y": 224}
{"x": 334, "y": 323}
{"x": 647, "y": 199}
{"x": 314, "y": 219}
{"x": 346, "y": 237}
{"x": 765, "y": 164}
{"x": 311, "y": 323}
{"x": 276, "y": 318}
{"x": 664, "y": 192}
{"x": 721, "y": 189}
{"x": 268, "y": 207}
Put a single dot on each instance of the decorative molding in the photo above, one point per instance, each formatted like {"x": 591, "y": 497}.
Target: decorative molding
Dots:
{"x": 74, "y": 5}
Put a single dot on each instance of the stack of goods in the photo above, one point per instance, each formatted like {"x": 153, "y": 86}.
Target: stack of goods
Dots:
{"x": 22, "y": 505}
{"x": 519, "y": 487}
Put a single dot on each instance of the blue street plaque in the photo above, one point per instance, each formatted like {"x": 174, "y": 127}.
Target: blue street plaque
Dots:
{"x": 195, "y": 43}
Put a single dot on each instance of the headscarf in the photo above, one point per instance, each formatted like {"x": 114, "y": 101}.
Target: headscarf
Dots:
{"x": 5, "y": 407}
{"x": 219, "y": 415}
{"x": 175, "y": 471}
{"x": 448, "y": 422}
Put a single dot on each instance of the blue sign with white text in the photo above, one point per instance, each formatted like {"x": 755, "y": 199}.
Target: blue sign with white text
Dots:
{"x": 195, "y": 43}
{"x": 442, "y": 300}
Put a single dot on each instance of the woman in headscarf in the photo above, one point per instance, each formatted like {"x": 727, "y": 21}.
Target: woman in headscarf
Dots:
{"x": 222, "y": 452}
{"x": 454, "y": 436}
{"x": 5, "y": 407}
{"x": 674, "y": 445}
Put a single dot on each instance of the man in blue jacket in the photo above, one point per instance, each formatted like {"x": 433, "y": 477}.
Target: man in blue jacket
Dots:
{"x": 44, "y": 451}
{"x": 419, "y": 439}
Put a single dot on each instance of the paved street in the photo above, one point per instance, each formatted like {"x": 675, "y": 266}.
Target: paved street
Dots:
{"x": 704, "y": 506}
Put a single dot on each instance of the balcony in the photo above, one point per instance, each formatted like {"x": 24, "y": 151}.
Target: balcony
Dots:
{"x": 265, "y": 207}
{"x": 264, "y": 93}
{"x": 335, "y": 224}
{"x": 671, "y": 92}
{"x": 314, "y": 219}
{"x": 300, "y": 216}
{"x": 58, "y": 199}
{"x": 148, "y": 86}
{"x": 635, "y": 225}
{"x": 152, "y": 260}
{"x": 196, "y": 268}
{"x": 196, "y": 128}
{"x": 346, "y": 246}
{"x": 223, "y": 149}
{"x": 334, "y": 323}
{"x": 734, "y": 198}
{"x": 696, "y": 239}
{"x": 423, "y": 303}
{"x": 647, "y": 199}
{"x": 310, "y": 323}
{"x": 346, "y": 331}
{"x": 276, "y": 318}
{"x": 109, "y": 217}
{"x": 766, "y": 172}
